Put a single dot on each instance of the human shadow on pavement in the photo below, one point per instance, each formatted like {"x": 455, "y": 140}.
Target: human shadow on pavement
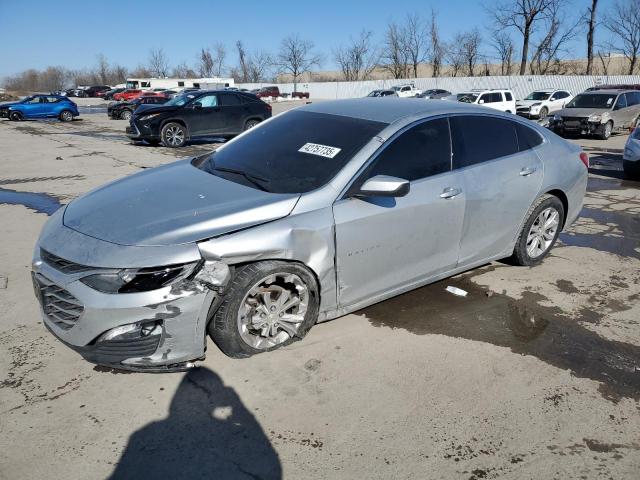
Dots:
{"x": 209, "y": 434}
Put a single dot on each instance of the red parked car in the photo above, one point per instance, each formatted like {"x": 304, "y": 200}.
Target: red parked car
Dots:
{"x": 129, "y": 94}
{"x": 268, "y": 92}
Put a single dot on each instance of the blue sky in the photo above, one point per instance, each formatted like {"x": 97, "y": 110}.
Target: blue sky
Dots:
{"x": 71, "y": 33}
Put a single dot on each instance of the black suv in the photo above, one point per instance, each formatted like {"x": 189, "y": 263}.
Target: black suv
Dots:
{"x": 197, "y": 114}
{"x": 124, "y": 110}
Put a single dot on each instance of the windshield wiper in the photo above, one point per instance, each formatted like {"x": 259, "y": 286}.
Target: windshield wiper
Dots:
{"x": 254, "y": 179}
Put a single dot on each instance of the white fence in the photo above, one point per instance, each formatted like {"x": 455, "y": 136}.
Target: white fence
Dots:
{"x": 521, "y": 85}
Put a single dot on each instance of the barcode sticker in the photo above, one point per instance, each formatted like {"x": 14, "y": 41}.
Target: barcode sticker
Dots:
{"x": 320, "y": 150}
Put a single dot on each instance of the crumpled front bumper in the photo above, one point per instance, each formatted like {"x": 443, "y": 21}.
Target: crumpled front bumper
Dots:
{"x": 160, "y": 330}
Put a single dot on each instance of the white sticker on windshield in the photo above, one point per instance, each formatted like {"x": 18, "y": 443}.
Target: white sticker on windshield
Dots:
{"x": 320, "y": 150}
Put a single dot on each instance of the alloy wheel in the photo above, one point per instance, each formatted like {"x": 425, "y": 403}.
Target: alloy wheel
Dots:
{"x": 542, "y": 232}
{"x": 66, "y": 116}
{"x": 174, "y": 135}
{"x": 273, "y": 310}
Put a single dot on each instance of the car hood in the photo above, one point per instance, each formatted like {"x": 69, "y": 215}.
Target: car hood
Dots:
{"x": 173, "y": 204}
{"x": 528, "y": 103}
{"x": 581, "y": 112}
{"x": 144, "y": 109}
{"x": 9, "y": 104}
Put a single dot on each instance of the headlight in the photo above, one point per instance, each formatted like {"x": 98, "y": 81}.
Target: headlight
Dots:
{"x": 149, "y": 117}
{"x": 557, "y": 118}
{"x": 535, "y": 105}
{"x": 595, "y": 118}
{"x": 132, "y": 280}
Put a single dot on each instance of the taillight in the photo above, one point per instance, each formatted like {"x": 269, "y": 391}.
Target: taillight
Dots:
{"x": 269, "y": 107}
{"x": 585, "y": 159}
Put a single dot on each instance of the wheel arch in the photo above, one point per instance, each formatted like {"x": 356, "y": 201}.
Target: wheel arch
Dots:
{"x": 175, "y": 120}
{"x": 556, "y": 192}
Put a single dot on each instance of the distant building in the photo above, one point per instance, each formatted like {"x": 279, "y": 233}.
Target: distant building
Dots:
{"x": 179, "y": 83}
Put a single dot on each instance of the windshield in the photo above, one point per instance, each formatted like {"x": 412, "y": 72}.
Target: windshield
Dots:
{"x": 295, "y": 152}
{"x": 396, "y": 88}
{"x": 467, "y": 97}
{"x": 538, "y": 96}
{"x": 181, "y": 99}
{"x": 592, "y": 100}
{"x": 27, "y": 99}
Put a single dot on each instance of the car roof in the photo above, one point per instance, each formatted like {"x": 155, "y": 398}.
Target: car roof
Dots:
{"x": 392, "y": 109}
{"x": 610, "y": 91}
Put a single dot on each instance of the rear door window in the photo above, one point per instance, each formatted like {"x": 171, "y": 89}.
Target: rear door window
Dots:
{"x": 229, "y": 99}
{"x": 621, "y": 103}
{"x": 420, "y": 152}
{"x": 508, "y": 96}
{"x": 477, "y": 139}
{"x": 208, "y": 101}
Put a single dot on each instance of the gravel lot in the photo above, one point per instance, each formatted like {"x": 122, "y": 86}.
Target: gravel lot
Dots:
{"x": 536, "y": 374}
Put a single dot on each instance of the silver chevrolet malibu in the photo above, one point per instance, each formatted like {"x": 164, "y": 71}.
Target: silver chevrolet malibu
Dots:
{"x": 315, "y": 213}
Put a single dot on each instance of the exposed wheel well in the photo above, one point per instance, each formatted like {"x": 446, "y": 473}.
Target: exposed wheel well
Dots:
{"x": 565, "y": 202}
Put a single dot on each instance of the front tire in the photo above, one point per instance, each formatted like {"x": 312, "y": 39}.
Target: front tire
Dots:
{"x": 544, "y": 113}
{"x": 126, "y": 114}
{"x": 66, "y": 116}
{"x": 173, "y": 135}
{"x": 604, "y": 131}
{"x": 540, "y": 231}
{"x": 268, "y": 305}
{"x": 15, "y": 116}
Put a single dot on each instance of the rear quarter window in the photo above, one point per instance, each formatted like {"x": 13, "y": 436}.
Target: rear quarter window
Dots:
{"x": 527, "y": 137}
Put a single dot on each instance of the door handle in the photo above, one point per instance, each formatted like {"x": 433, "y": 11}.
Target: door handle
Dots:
{"x": 450, "y": 192}
{"x": 526, "y": 171}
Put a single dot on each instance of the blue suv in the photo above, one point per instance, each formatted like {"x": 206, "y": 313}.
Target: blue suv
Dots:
{"x": 40, "y": 106}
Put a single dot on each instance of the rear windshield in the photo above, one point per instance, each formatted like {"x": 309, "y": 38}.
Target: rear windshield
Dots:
{"x": 592, "y": 100}
{"x": 296, "y": 152}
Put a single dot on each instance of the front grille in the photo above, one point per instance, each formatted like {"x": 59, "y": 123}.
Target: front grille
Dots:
{"x": 62, "y": 265}
{"x": 59, "y": 306}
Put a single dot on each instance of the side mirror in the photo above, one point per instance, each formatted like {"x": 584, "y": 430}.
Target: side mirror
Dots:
{"x": 197, "y": 105}
{"x": 480, "y": 101}
{"x": 384, "y": 186}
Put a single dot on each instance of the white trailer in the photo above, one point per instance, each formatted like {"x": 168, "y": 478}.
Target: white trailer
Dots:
{"x": 179, "y": 83}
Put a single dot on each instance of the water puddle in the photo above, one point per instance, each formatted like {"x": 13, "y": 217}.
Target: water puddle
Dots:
{"x": 39, "y": 202}
{"x": 521, "y": 325}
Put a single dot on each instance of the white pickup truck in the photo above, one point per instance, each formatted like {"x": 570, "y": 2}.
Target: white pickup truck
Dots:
{"x": 406, "y": 90}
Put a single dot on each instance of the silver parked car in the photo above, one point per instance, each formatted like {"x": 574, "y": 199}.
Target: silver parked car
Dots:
{"x": 631, "y": 155}
{"x": 599, "y": 112}
{"x": 313, "y": 214}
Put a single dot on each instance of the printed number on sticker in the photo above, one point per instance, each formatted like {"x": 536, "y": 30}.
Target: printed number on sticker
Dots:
{"x": 320, "y": 150}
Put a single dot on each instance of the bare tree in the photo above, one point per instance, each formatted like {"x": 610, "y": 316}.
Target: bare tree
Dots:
{"x": 547, "y": 51}
{"x": 183, "y": 70}
{"x": 503, "y": 45}
{"x": 141, "y": 71}
{"x": 218, "y": 58}
{"x": 394, "y": 54}
{"x": 437, "y": 50}
{"x": 591, "y": 29}
{"x": 242, "y": 62}
{"x": 296, "y": 57}
{"x": 455, "y": 55}
{"x": 623, "y": 20}
{"x": 259, "y": 64}
{"x": 102, "y": 68}
{"x": 416, "y": 41}
{"x": 158, "y": 63}
{"x": 605, "y": 60}
{"x": 358, "y": 58}
{"x": 523, "y": 15}
{"x": 205, "y": 63}
{"x": 470, "y": 50}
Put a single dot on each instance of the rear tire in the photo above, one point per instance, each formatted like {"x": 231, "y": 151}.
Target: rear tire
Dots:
{"x": 173, "y": 135}
{"x": 15, "y": 116}
{"x": 233, "y": 326}
{"x": 250, "y": 124}
{"x": 539, "y": 232}
{"x": 66, "y": 116}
